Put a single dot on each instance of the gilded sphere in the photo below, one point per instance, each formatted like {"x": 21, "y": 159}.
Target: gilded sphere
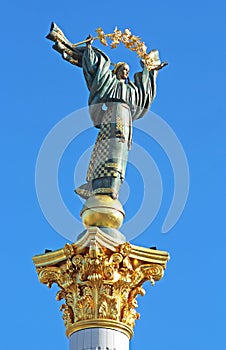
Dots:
{"x": 102, "y": 211}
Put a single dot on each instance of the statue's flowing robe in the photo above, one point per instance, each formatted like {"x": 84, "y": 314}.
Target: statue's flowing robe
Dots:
{"x": 113, "y": 106}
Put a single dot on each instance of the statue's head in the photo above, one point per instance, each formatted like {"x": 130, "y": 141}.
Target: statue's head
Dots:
{"x": 121, "y": 71}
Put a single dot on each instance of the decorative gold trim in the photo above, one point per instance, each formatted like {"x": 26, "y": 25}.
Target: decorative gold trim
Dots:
{"x": 103, "y": 190}
{"x": 49, "y": 258}
{"x": 114, "y": 165}
{"x": 97, "y": 323}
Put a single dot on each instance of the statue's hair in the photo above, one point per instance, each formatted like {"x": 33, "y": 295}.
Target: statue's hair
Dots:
{"x": 117, "y": 66}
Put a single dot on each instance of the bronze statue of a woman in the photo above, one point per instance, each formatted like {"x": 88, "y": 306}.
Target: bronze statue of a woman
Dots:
{"x": 114, "y": 103}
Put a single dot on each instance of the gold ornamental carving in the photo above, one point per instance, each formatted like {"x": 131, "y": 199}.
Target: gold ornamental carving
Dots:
{"x": 99, "y": 285}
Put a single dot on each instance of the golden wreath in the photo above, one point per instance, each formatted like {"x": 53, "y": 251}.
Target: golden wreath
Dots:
{"x": 131, "y": 42}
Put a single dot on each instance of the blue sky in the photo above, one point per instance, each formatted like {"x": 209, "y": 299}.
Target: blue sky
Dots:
{"x": 187, "y": 308}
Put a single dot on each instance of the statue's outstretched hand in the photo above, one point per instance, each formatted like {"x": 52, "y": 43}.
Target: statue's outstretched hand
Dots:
{"x": 160, "y": 66}
{"x": 89, "y": 40}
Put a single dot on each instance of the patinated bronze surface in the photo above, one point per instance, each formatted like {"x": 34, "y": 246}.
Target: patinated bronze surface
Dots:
{"x": 114, "y": 103}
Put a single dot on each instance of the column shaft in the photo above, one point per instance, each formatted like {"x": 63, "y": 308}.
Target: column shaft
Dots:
{"x": 98, "y": 339}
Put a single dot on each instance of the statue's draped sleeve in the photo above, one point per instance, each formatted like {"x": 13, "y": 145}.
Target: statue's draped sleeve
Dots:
{"x": 145, "y": 87}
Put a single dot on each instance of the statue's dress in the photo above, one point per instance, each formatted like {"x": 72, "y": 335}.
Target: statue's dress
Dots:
{"x": 113, "y": 106}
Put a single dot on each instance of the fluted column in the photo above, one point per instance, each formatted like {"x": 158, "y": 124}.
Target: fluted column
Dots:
{"x": 98, "y": 339}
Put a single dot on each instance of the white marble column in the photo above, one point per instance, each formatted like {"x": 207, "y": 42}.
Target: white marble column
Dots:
{"x": 98, "y": 339}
